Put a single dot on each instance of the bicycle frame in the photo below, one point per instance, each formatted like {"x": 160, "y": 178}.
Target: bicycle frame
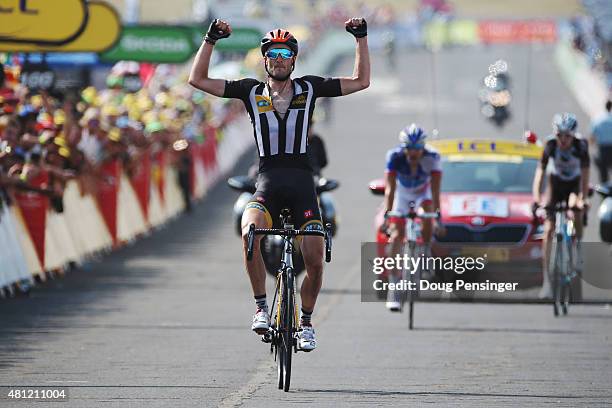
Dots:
{"x": 561, "y": 269}
{"x": 410, "y": 247}
{"x": 283, "y": 332}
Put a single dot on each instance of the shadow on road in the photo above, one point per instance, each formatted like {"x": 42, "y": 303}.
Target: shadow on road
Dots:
{"x": 498, "y": 330}
{"x": 51, "y": 307}
{"x": 445, "y": 393}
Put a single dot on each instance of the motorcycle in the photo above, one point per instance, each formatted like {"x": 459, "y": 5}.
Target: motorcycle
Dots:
{"x": 272, "y": 245}
{"x": 495, "y": 95}
{"x": 605, "y": 212}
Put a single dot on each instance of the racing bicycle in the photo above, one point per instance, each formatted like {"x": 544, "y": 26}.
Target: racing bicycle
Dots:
{"x": 413, "y": 248}
{"x": 284, "y": 328}
{"x": 562, "y": 261}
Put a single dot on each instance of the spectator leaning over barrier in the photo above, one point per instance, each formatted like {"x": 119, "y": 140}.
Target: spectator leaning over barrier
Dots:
{"x": 601, "y": 138}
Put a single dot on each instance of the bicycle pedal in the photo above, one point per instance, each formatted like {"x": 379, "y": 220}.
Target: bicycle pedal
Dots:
{"x": 266, "y": 337}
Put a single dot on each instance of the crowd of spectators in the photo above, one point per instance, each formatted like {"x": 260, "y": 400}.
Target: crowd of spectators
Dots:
{"x": 71, "y": 135}
{"x": 593, "y": 37}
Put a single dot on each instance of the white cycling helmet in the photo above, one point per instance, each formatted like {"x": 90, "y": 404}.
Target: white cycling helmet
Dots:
{"x": 412, "y": 136}
{"x": 564, "y": 123}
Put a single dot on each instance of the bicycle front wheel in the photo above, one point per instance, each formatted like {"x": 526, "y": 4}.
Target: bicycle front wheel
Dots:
{"x": 278, "y": 337}
{"x": 567, "y": 278}
{"x": 287, "y": 333}
{"x": 556, "y": 255}
{"x": 413, "y": 294}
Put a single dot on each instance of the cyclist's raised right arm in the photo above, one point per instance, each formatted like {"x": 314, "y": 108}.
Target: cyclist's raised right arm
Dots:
{"x": 198, "y": 77}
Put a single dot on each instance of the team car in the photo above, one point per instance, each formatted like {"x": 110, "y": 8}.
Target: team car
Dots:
{"x": 486, "y": 208}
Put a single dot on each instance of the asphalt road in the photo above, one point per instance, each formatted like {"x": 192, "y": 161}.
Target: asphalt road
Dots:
{"x": 166, "y": 322}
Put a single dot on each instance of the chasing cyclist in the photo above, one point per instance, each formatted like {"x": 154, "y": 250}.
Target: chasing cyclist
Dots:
{"x": 413, "y": 175}
{"x": 565, "y": 162}
{"x": 280, "y": 109}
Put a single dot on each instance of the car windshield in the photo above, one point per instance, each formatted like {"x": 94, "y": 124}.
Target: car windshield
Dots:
{"x": 488, "y": 176}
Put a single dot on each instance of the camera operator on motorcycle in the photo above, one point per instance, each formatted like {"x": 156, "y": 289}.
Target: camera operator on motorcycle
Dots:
{"x": 280, "y": 109}
{"x": 413, "y": 175}
{"x": 565, "y": 162}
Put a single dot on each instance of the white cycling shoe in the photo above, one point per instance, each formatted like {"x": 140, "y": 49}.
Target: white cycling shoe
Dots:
{"x": 546, "y": 291}
{"x": 393, "y": 300}
{"x": 261, "y": 322}
{"x": 306, "y": 339}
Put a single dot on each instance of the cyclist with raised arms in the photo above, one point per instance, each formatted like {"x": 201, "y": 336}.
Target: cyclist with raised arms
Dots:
{"x": 280, "y": 109}
{"x": 565, "y": 162}
{"x": 413, "y": 175}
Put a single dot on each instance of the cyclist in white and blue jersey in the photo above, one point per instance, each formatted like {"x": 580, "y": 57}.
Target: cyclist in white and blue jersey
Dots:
{"x": 565, "y": 165}
{"x": 413, "y": 174}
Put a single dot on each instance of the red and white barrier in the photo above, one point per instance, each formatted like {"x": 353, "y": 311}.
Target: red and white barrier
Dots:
{"x": 34, "y": 238}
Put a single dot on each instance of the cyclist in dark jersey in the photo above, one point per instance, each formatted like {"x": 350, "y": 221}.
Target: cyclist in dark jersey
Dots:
{"x": 565, "y": 162}
{"x": 280, "y": 109}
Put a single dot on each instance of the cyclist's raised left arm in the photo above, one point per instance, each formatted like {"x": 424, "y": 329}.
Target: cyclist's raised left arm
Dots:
{"x": 361, "y": 72}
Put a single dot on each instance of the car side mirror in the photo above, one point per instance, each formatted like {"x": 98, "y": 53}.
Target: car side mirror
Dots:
{"x": 377, "y": 187}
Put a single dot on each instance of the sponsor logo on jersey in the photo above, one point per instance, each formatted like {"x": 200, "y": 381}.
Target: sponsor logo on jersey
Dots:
{"x": 264, "y": 103}
{"x": 299, "y": 101}
{"x": 256, "y": 206}
{"x": 308, "y": 214}
{"x": 314, "y": 225}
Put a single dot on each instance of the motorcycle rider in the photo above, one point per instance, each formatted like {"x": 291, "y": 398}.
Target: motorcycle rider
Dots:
{"x": 280, "y": 109}
{"x": 565, "y": 162}
{"x": 317, "y": 153}
{"x": 413, "y": 174}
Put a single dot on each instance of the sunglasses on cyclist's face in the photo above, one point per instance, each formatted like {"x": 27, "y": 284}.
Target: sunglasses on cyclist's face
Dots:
{"x": 416, "y": 146}
{"x": 562, "y": 135}
{"x": 283, "y": 52}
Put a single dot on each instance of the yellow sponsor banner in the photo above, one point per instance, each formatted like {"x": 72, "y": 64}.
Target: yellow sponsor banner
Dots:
{"x": 486, "y": 146}
{"x": 101, "y": 33}
{"x": 42, "y": 21}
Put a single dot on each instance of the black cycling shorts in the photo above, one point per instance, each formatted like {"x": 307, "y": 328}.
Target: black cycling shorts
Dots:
{"x": 559, "y": 191}
{"x": 287, "y": 188}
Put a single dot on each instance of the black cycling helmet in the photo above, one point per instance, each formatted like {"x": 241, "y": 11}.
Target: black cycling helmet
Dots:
{"x": 279, "y": 36}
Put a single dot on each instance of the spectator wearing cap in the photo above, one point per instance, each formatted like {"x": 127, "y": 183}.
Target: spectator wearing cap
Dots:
{"x": 601, "y": 137}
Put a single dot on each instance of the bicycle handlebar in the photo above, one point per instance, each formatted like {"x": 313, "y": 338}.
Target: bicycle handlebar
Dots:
{"x": 288, "y": 233}
{"x": 396, "y": 214}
